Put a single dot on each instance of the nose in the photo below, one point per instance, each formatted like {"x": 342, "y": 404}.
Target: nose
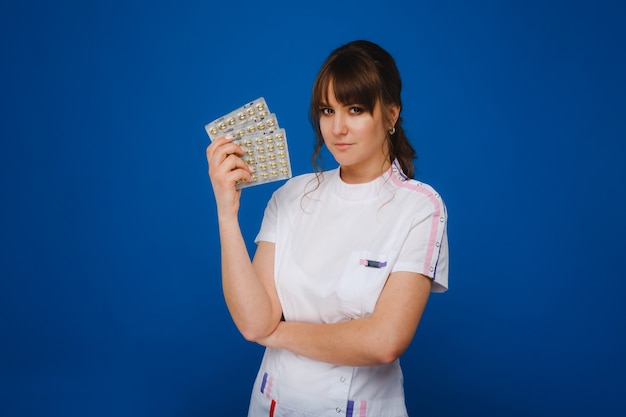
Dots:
{"x": 339, "y": 125}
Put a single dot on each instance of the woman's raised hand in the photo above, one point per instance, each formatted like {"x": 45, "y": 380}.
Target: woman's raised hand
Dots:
{"x": 226, "y": 169}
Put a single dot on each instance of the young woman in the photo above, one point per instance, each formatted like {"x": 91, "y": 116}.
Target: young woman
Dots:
{"x": 345, "y": 260}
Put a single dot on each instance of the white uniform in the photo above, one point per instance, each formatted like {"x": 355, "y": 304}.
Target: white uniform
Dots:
{"x": 335, "y": 247}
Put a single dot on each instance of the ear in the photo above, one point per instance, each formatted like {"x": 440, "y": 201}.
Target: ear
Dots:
{"x": 393, "y": 113}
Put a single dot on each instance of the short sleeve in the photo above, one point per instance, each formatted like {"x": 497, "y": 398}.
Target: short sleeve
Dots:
{"x": 267, "y": 231}
{"x": 425, "y": 249}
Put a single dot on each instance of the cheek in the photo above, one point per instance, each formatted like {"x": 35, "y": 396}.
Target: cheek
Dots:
{"x": 325, "y": 128}
{"x": 367, "y": 128}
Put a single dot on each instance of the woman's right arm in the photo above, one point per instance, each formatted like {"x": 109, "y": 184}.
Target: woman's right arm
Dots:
{"x": 248, "y": 285}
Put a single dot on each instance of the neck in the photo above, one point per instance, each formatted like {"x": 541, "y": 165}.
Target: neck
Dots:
{"x": 360, "y": 175}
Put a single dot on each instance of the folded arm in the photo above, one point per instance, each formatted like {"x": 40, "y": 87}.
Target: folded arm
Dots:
{"x": 378, "y": 339}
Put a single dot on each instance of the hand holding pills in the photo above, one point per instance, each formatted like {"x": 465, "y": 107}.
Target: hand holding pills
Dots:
{"x": 263, "y": 142}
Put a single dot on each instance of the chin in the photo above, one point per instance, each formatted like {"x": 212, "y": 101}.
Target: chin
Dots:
{"x": 344, "y": 160}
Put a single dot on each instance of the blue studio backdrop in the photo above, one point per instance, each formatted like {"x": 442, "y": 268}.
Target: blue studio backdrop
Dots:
{"x": 110, "y": 293}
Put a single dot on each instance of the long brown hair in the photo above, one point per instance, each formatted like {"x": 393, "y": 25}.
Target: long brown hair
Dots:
{"x": 362, "y": 72}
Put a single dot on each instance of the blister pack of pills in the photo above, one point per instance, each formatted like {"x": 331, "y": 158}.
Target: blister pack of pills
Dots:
{"x": 256, "y": 130}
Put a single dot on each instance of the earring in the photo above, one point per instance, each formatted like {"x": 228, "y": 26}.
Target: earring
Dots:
{"x": 392, "y": 130}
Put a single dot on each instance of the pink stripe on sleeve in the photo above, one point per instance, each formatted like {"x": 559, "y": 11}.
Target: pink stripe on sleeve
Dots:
{"x": 437, "y": 219}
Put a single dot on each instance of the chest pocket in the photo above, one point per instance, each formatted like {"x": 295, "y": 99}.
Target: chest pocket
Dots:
{"x": 362, "y": 281}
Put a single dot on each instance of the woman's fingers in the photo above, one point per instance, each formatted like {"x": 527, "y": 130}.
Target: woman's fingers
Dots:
{"x": 225, "y": 166}
{"x": 234, "y": 169}
{"x": 220, "y": 148}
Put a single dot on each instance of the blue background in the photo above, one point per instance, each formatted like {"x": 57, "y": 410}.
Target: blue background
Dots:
{"x": 110, "y": 297}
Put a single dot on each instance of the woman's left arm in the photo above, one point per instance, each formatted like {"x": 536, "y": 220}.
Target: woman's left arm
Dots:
{"x": 378, "y": 339}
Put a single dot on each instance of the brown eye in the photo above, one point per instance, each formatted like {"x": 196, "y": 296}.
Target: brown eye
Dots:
{"x": 356, "y": 110}
{"x": 326, "y": 110}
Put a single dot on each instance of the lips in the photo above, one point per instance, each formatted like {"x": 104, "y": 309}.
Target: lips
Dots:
{"x": 342, "y": 145}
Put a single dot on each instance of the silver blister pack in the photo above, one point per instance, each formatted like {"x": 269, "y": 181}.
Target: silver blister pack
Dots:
{"x": 256, "y": 130}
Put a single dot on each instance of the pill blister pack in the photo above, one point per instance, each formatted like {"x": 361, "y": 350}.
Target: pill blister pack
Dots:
{"x": 256, "y": 130}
